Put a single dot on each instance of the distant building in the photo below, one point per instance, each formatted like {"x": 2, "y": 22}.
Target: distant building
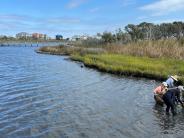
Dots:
{"x": 3, "y": 36}
{"x": 45, "y": 37}
{"x": 35, "y": 35}
{"x": 23, "y": 35}
{"x": 40, "y": 36}
{"x": 84, "y": 37}
{"x": 75, "y": 38}
{"x": 97, "y": 37}
{"x": 59, "y": 37}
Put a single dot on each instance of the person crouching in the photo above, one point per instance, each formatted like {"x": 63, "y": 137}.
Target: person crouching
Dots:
{"x": 170, "y": 97}
{"x": 158, "y": 93}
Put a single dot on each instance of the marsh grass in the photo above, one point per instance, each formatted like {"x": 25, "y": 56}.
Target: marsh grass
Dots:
{"x": 135, "y": 66}
{"x": 58, "y": 50}
{"x": 149, "y": 59}
{"x": 155, "y": 49}
{"x": 70, "y": 50}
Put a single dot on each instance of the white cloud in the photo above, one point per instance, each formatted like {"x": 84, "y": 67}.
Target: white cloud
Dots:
{"x": 63, "y": 20}
{"x": 27, "y": 20}
{"x": 17, "y": 23}
{"x": 163, "y": 7}
{"x": 11, "y": 17}
{"x": 142, "y": 17}
{"x": 75, "y": 3}
{"x": 167, "y": 21}
{"x": 94, "y": 10}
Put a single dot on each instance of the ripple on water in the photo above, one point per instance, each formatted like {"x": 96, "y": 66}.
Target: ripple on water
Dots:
{"x": 47, "y": 96}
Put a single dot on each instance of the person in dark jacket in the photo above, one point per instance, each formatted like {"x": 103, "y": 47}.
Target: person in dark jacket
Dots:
{"x": 170, "y": 97}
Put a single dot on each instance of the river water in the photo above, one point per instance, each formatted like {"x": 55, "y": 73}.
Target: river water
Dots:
{"x": 51, "y": 97}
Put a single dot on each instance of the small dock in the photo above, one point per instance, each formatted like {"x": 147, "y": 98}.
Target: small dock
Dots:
{"x": 21, "y": 44}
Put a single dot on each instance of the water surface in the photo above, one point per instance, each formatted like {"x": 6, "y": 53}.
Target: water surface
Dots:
{"x": 49, "y": 96}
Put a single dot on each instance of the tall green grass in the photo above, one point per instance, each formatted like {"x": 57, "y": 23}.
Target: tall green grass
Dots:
{"x": 134, "y": 66}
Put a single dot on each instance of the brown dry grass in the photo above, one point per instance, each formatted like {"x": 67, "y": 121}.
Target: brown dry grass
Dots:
{"x": 155, "y": 49}
{"x": 64, "y": 50}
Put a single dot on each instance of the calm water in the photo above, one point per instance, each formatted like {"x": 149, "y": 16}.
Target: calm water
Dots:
{"x": 48, "y": 96}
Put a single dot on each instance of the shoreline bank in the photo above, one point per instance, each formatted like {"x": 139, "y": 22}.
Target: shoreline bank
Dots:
{"x": 123, "y": 65}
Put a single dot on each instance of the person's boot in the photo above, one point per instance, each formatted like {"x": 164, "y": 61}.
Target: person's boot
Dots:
{"x": 167, "y": 113}
{"x": 174, "y": 113}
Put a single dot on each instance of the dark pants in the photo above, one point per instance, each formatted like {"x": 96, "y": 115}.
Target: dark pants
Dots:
{"x": 170, "y": 104}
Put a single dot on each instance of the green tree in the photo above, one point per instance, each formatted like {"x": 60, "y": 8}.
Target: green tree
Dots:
{"x": 134, "y": 31}
{"x": 146, "y": 30}
{"x": 108, "y": 37}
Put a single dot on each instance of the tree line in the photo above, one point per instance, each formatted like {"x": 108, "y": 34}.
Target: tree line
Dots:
{"x": 145, "y": 31}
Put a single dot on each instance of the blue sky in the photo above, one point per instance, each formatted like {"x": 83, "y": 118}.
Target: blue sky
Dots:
{"x": 78, "y": 17}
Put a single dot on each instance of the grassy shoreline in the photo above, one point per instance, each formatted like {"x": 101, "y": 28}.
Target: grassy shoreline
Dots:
{"x": 132, "y": 66}
{"x": 121, "y": 64}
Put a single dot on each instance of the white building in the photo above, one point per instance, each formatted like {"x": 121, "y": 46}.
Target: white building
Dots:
{"x": 75, "y": 38}
{"x": 78, "y": 37}
{"x": 23, "y": 35}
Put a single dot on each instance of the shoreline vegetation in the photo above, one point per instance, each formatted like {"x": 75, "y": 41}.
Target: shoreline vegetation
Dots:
{"x": 147, "y": 50}
{"x": 148, "y": 59}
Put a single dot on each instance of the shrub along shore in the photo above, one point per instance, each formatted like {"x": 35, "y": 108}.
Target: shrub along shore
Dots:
{"x": 136, "y": 59}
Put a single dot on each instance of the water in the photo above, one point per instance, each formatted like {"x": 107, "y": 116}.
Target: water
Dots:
{"x": 30, "y": 44}
{"x": 49, "y": 96}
